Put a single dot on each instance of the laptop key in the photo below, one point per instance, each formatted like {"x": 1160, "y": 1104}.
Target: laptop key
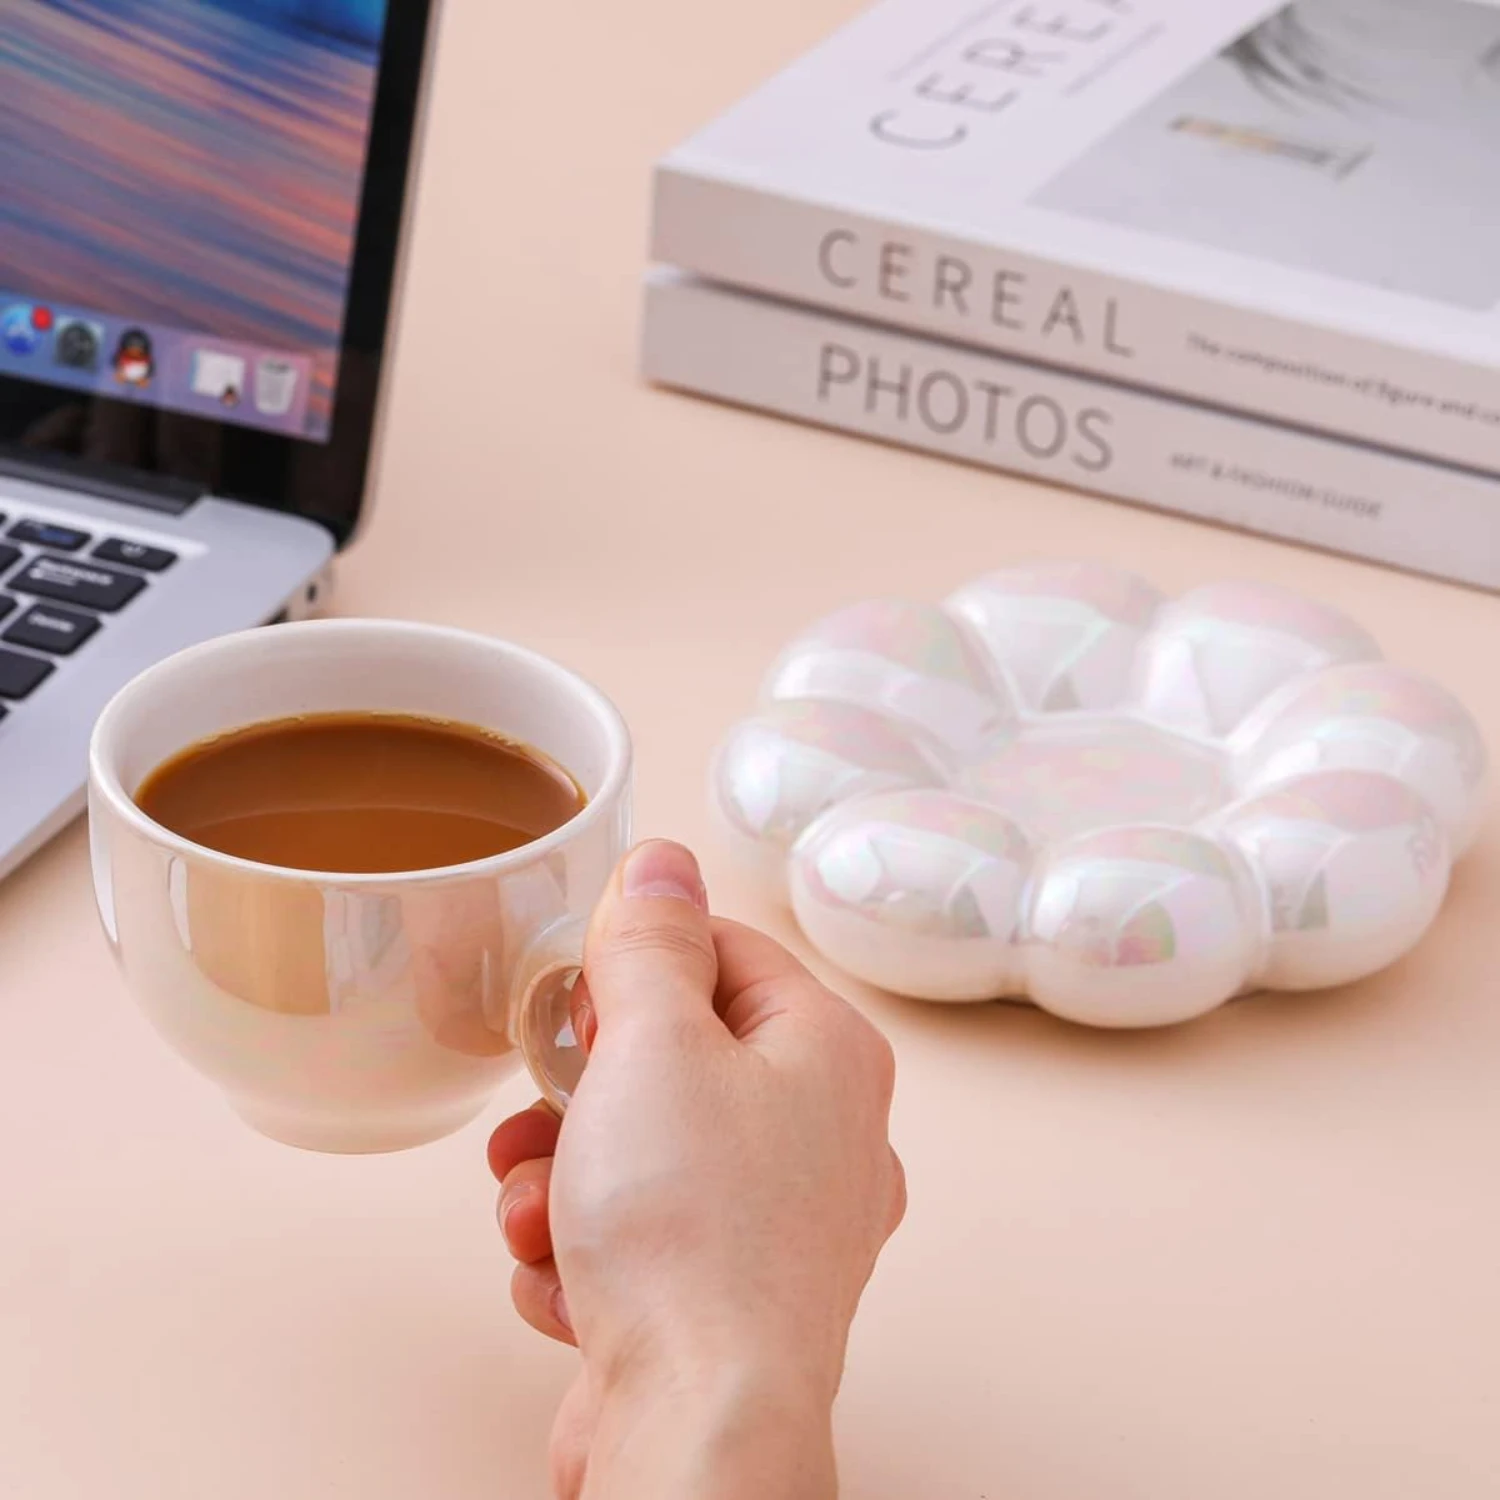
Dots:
{"x": 60, "y": 631}
{"x": 8, "y": 555}
{"x": 21, "y": 675}
{"x": 134, "y": 555}
{"x": 47, "y": 534}
{"x": 85, "y": 583}
{"x": 7, "y": 606}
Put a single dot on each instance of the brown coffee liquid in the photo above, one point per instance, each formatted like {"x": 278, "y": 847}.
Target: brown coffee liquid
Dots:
{"x": 360, "y": 794}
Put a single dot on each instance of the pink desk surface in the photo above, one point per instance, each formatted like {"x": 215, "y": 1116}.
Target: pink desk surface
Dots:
{"x": 1254, "y": 1257}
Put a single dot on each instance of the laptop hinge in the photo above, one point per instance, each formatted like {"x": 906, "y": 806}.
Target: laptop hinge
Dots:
{"x": 158, "y": 492}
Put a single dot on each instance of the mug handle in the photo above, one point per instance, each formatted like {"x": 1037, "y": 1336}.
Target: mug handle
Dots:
{"x": 542, "y": 1025}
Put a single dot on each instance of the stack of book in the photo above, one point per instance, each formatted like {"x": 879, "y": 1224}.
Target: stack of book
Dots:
{"x": 1236, "y": 259}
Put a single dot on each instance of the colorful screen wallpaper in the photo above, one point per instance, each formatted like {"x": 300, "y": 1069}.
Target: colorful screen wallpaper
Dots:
{"x": 189, "y": 170}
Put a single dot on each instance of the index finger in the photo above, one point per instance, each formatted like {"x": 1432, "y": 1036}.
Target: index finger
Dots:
{"x": 749, "y": 957}
{"x": 528, "y": 1136}
{"x": 760, "y": 979}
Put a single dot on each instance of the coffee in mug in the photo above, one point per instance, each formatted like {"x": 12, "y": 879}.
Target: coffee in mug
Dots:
{"x": 366, "y": 793}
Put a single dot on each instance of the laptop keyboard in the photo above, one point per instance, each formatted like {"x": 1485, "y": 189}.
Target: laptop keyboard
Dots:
{"x": 59, "y": 586}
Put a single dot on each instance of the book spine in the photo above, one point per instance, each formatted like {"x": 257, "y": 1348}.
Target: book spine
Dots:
{"x": 1314, "y": 377}
{"x": 1005, "y": 414}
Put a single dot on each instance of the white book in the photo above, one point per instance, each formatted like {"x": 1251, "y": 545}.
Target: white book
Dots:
{"x": 1291, "y": 210}
{"x": 975, "y": 405}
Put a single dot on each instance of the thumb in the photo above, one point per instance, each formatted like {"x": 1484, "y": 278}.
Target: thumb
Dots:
{"x": 650, "y": 949}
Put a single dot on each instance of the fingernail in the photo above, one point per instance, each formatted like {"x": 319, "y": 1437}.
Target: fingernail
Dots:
{"x": 508, "y": 1204}
{"x": 560, "y": 1309}
{"x": 585, "y": 1018}
{"x": 664, "y": 870}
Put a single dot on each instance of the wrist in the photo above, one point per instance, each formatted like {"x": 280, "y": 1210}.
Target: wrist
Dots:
{"x": 727, "y": 1430}
{"x": 767, "y": 1357}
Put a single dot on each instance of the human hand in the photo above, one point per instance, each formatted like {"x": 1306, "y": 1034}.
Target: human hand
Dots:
{"x": 704, "y": 1221}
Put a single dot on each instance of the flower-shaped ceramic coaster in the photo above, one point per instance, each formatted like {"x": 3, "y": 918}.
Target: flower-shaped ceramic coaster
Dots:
{"x": 1062, "y": 787}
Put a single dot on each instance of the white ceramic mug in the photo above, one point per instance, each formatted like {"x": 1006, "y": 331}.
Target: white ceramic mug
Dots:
{"x": 357, "y": 1012}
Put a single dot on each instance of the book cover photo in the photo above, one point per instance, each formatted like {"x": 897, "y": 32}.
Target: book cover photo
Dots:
{"x": 1282, "y": 209}
{"x": 1358, "y": 139}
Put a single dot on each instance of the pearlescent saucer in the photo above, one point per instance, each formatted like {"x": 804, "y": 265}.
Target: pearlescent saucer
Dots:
{"x": 1060, "y": 786}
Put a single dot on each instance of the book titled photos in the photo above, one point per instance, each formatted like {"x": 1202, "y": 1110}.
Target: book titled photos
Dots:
{"x": 984, "y": 408}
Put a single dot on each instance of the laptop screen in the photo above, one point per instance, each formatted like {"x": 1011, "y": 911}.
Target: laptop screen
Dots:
{"x": 180, "y": 188}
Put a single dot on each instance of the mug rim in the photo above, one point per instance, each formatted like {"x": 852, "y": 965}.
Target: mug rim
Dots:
{"x": 104, "y": 777}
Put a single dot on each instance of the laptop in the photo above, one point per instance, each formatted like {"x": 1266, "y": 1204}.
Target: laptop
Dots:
{"x": 201, "y": 215}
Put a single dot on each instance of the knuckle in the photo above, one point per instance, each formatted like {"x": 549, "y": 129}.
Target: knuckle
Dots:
{"x": 845, "y": 1029}
{"x": 673, "y": 941}
{"x": 874, "y": 1050}
{"x": 899, "y": 1198}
